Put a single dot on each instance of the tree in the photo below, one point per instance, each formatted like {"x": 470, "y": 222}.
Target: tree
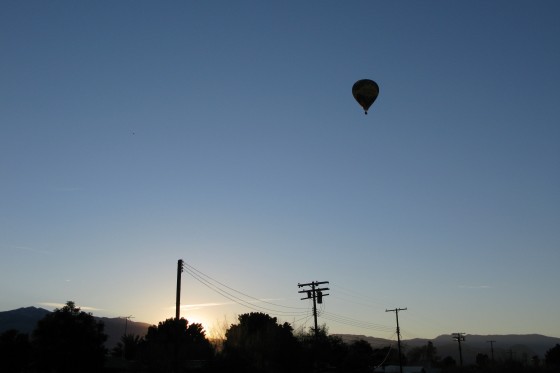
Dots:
{"x": 422, "y": 355}
{"x": 482, "y": 360}
{"x": 258, "y": 342}
{"x": 14, "y": 351}
{"x": 172, "y": 343}
{"x": 321, "y": 349}
{"x": 552, "y": 356}
{"x": 128, "y": 347}
{"x": 448, "y": 361}
{"x": 431, "y": 353}
{"x": 382, "y": 356}
{"x": 69, "y": 340}
{"x": 416, "y": 355}
{"x": 360, "y": 357}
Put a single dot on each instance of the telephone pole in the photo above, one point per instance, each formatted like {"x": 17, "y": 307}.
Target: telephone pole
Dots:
{"x": 459, "y": 337}
{"x": 126, "y": 318}
{"x": 396, "y": 311}
{"x": 178, "y": 297}
{"x": 492, "y": 348}
{"x": 317, "y": 295}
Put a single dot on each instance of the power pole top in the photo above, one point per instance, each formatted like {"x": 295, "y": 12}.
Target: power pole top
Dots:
{"x": 314, "y": 283}
{"x": 396, "y": 309}
{"x": 459, "y": 336}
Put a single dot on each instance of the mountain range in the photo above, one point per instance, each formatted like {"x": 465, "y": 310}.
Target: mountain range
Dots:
{"x": 25, "y": 320}
{"x": 516, "y": 347}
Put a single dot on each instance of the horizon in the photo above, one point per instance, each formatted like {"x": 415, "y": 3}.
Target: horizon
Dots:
{"x": 211, "y": 336}
{"x": 226, "y": 134}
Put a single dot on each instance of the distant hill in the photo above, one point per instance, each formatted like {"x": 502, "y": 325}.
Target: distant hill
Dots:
{"x": 22, "y": 319}
{"x": 25, "y": 320}
{"x": 517, "y": 347}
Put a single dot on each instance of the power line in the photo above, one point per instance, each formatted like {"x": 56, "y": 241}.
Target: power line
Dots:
{"x": 239, "y": 292}
{"x": 202, "y": 278}
{"x": 356, "y": 323}
{"x": 353, "y": 296}
{"x": 386, "y": 356}
{"x": 250, "y": 302}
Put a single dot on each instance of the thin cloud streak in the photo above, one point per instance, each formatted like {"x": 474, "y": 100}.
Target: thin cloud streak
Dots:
{"x": 66, "y": 189}
{"x": 201, "y": 305}
{"x": 27, "y": 249}
{"x": 60, "y": 305}
{"x": 474, "y": 286}
{"x": 198, "y": 306}
{"x": 206, "y": 305}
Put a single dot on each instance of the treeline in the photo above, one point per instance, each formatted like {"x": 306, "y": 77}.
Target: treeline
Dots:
{"x": 70, "y": 340}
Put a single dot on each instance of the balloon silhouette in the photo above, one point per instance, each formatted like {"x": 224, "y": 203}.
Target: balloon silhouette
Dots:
{"x": 365, "y": 91}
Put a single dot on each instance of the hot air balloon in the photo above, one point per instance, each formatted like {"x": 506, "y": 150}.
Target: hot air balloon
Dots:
{"x": 365, "y": 91}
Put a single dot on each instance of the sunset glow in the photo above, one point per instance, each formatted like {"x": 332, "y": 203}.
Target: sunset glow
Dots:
{"x": 226, "y": 134}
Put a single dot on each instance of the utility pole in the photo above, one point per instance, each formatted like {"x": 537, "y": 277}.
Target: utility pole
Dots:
{"x": 317, "y": 295}
{"x": 459, "y": 337}
{"x": 396, "y": 311}
{"x": 492, "y": 348}
{"x": 126, "y": 318}
{"x": 178, "y": 297}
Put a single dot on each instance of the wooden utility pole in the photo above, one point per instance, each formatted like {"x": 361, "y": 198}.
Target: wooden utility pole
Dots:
{"x": 178, "y": 297}
{"x": 126, "y": 318}
{"x": 317, "y": 295}
{"x": 492, "y": 348}
{"x": 459, "y": 337}
{"x": 396, "y": 311}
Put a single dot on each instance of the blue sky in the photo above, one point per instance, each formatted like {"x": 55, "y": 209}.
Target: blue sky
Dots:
{"x": 135, "y": 133}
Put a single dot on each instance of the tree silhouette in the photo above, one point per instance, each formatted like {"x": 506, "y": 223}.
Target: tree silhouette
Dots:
{"x": 423, "y": 355}
{"x": 14, "y": 351}
{"x": 172, "y": 343}
{"x": 448, "y": 361}
{"x": 431, "y": 353}
{"x": 321, "y": 349}
{"x": 359, "y": 358}
{"x": 482, "y": 360}
{"x": 552, "y": 356}
{"x": 259, "y": 343}
{"x": 69, "y": 340}
{"x": 128, "y": 347}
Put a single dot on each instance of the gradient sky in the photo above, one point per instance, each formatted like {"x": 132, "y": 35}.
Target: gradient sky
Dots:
{"x": 135, "y": 133}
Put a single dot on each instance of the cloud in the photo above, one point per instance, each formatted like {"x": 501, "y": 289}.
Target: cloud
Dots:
{"x": 60, "y": 305}
{"x": 266, "y": 300}
{"x": 200, "y": 305}
{"x": 26, "y": 248}
{"x": 66, "y": 189}
{"x": 206, "y": 305}
{"x": 474, "y": 286}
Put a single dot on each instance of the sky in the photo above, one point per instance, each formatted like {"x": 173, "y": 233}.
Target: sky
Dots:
{"x": 224, "y": 133}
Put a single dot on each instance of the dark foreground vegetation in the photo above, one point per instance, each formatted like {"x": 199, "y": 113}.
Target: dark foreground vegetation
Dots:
{"x": 69, "y": 340}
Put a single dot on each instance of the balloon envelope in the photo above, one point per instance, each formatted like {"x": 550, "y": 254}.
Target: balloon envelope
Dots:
{"x": 365, "y": 91}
